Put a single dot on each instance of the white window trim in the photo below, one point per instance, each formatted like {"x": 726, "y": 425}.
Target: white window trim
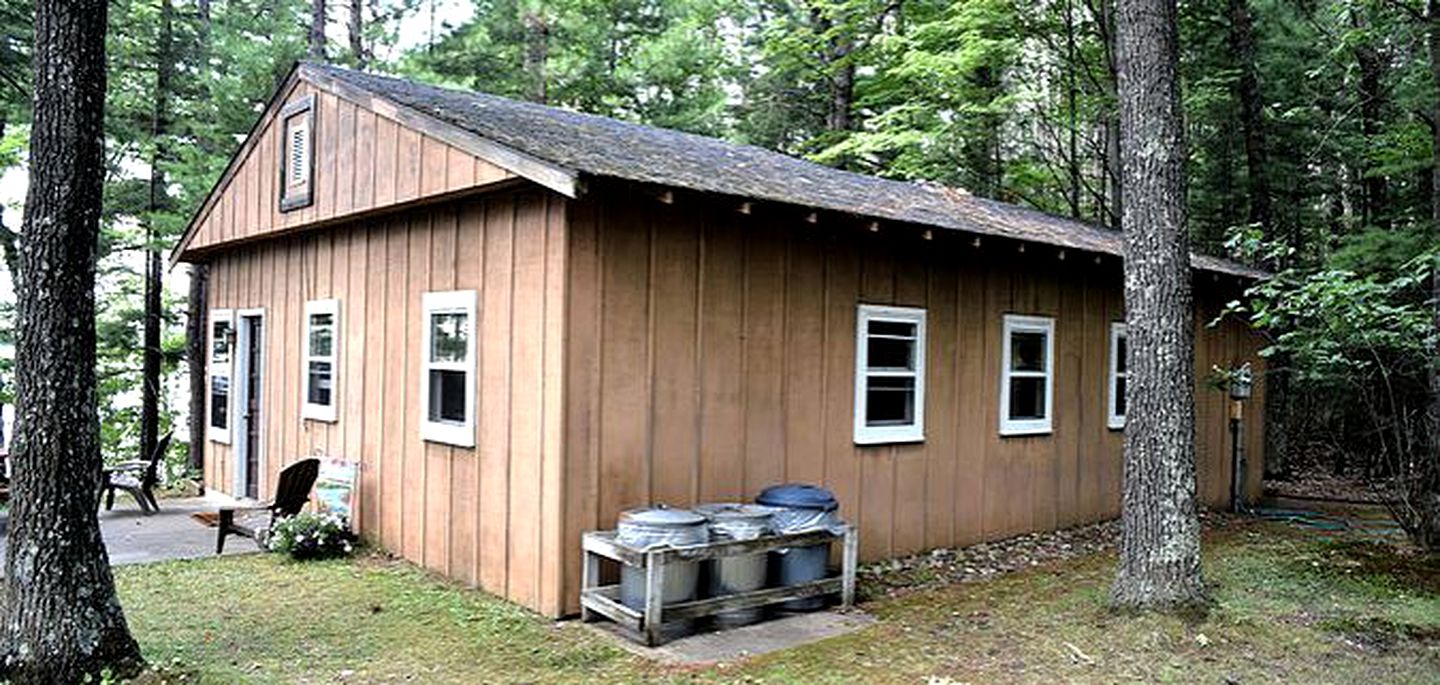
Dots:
{"x": 227, "y": 370}
{"x": 461, "y": 434}
{"x": 1016, "y": 323}
{"x": 1113, "y": 419}
{"x": 309, "y": 410}
{"x": 876, "y": 435}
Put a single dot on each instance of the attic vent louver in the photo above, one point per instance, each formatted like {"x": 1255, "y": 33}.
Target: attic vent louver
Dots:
{"x": 297, "y": 159}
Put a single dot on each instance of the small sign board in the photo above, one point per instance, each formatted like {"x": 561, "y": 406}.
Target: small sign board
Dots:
{"x": 335, "y": 487}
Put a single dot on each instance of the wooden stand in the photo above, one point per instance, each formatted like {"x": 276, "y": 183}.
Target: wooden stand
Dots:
{"x": 645, "y": 626}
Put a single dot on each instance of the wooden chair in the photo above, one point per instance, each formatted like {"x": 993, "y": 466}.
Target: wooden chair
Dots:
{"x": 291, "y": 494}
{"x": 138, "y": 478}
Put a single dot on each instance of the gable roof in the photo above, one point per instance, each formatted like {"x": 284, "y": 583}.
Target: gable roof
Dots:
{"x": 549, "y": 141}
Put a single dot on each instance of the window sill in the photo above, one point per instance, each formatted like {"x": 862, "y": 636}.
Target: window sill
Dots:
{"x": 319, "y": 413}
{"x": 882, "y": 441}
{"x": 448, "y": 434}
{"x": 1116, "y": 426}
{"x": 218, "y": 438}
{"x": 1021, "y": 432}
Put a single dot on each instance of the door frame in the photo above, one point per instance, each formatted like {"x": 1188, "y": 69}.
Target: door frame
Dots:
{"x": 241, "y": 385}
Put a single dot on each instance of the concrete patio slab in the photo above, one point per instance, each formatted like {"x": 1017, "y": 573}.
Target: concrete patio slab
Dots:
{"x": 173, "y": 533}
{"x": 747, "y": 641}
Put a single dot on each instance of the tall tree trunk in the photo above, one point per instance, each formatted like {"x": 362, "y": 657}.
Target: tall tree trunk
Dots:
{"x": 196, "y": 315}
{"x": 1429, "y": 495}
{"x": 1072, "y": 112}
{"x": 1114, "y": 203}
{"x": 1160, "y": 539}
{"x": 1374, "y": 187}
{"x": 317, "y": 30}
{"x": 62, "y": 619}
{"x": 356, "y": 33}
{"x": 150, "y": 380}
{"x": 1252, "y": 125}
{"x": 537, "y": 54}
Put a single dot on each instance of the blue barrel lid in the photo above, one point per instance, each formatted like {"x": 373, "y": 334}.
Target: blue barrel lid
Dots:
{"x": 798, "y": 496}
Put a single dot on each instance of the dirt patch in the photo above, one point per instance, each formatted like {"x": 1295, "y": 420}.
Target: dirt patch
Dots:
{"x": 1379, "y": 635}
{"x": 1407, "y": 566}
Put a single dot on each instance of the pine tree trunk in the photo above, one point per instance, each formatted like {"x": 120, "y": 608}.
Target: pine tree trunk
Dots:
{"x": 62, "y": 619}
{"x": 1429, "y": 495}
{"x": 196, "y": 315}
{"x": 537, "y": 55}
{"x": 356, "y": 31}
{"x": 1160, "y": 540}
{"x": 1113, "y": 206}
{"x": 1252, "y": 124}
{"x": 150, "y": 380}
{"x": 317, "y": 30}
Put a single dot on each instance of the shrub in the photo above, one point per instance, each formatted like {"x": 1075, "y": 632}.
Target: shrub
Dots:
{"x": 311, "y": 536}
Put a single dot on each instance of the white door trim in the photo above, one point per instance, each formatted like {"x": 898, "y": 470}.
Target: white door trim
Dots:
{"x": 242, "y": 400}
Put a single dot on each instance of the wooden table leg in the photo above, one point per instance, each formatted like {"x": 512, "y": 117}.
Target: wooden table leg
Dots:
{"x": 589, "y": 578}
{"x": 849, "y": 560}
{"x": 654, "y": 597}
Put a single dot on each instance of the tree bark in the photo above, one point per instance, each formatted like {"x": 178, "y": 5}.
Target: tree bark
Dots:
{"x": 1429, "y": 496}
{"x": 196, "y": 315}
{"x": 356, "y": 32}
{"x": 317, "y": 30}
{"x": 537, "y": 55}
{"x": 1252, "y": 125}
{"x": 150, "y": 380}
{"x": 1160, "y": 539}
{"x": 1114, "y": 206}
{"x": 1374, "y": 187}
{"x": 62, "y": 619}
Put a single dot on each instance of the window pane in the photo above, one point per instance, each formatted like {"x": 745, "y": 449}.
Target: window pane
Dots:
{"x": 322, "y": 377}
{"x": 220, "y": 342}
{"x": 219, "y": 401}
{"x": 1122, "y": 363}
{"x": 449, "y": 335}
{"x": 322, "y": 334}
{"x": 447, "y": 396}
{"x": 890, "y": 402}
{"x": 900, "y": 328}
{"x": 1027, "y": 398}
{"x": 888, "y": 353}
{"x": 1120, "y": 396}
{"x": 1027, "y": 351}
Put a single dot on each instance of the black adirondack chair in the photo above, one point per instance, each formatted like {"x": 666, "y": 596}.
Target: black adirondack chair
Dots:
{"x": 137, "y": 478}
{"x": 291, "y": 494}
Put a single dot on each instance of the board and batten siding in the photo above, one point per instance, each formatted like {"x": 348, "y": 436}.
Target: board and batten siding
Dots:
{"x": 710, "y": 353}
{"x": 481, "y": 515}
{"x": 363, "y": 161}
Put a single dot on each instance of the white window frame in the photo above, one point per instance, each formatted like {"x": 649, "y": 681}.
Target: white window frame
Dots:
{"x": 308, "y": 409}
{"x": 224, "y": 369}
{"x": 458, "y": 434}
{"x": 1113, "y": 418}
{"x": 877, "y": 435}
{"x": 1018, "y": 323}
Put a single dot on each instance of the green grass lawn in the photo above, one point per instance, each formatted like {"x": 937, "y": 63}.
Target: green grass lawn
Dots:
{"x": 1290, "y": 607}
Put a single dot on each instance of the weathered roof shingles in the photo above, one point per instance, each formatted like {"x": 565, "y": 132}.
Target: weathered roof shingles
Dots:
{"x": 607, "y": 147}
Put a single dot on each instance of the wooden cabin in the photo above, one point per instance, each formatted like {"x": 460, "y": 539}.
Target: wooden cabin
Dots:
{"x": 521, "y": 320}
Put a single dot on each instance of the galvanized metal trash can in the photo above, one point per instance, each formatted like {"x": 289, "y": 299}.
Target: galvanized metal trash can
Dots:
{"x": 801, "y": 508}
{"x": 731, "y": 575}
{"x": 652, "y": 527}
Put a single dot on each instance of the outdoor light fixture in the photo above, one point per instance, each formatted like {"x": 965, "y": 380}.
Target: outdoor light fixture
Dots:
{"x": 1241, "y": 380}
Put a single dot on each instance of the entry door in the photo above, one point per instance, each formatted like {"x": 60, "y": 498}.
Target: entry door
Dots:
{"x": 251, "y": 418}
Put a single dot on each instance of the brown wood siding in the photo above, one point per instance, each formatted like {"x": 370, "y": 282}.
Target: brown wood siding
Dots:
{"x": 362, "y": 162}
{"x": 480, "y": 515}
{"x": 710, "y": 353}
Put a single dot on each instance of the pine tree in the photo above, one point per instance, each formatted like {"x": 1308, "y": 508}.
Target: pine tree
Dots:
{"x": 62, "y": 619}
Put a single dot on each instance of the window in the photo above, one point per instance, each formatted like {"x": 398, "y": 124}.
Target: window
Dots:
{"x": 447, "y": 382}
{"x": 1119, "y": 371}
{"x": 222, "y": 342}
{"x": 889, "y": 375}
{"x": 1027, "y": 375}
{"x": 322, "y": 320}
{"x": 297, "y": 159}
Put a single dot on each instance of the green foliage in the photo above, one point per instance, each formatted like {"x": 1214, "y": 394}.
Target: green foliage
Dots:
{"x": 308, "y": 536}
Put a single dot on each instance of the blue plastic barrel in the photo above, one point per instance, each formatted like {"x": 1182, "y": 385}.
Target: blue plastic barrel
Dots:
{"x": 801, "y": 508}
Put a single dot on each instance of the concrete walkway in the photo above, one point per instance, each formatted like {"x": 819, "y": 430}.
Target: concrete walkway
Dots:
{"x": 133, "y": 538}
